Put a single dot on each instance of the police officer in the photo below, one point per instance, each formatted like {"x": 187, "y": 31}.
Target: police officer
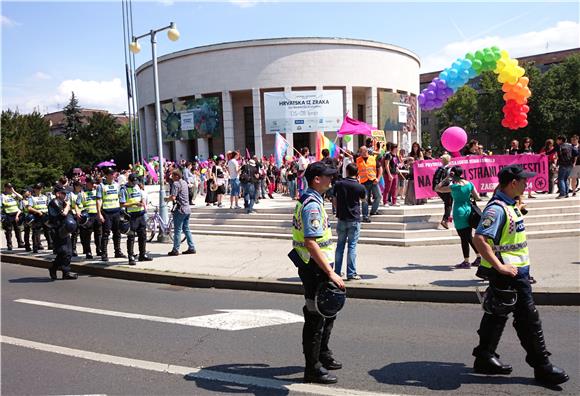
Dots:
{"x": 76, "y": 209}
{"x": 313, "y": 254}
{"x": 26, "y": 223}
{"x": 133, "y": 199}
{"x": 11, "y": 215}
{"x": 501, "y": 240}
{"x": 87, "y": 200}
{"x": 109, "y": 214}
{"x": 38, "y": 206}
{"x": 60, "y": 218}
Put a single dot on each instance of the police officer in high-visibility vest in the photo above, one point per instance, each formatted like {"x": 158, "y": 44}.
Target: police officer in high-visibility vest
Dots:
{"x": 38, "y": 206}
{"x": 133, "y": 199}
{"x": 76, "y": 209}
{"x": 61, "y": 220}
{"x": 501, "y": 240}
{"x": 11, "y": 215}
{"x": 109, "y": 214}
{"x": 87, "y": 200}
{"x": 313, "y": 254}
{"x": 370, "y": 172}
{"x": 26, "y": 223}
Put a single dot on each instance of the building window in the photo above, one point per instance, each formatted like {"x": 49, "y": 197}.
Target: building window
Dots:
{"x": 249, "y": 128}
{"x": 360, "y": 115}
{"x": 424, "y": 121}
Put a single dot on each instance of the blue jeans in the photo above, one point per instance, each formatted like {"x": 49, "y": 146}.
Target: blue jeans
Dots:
{"x": 292, "y": 188}
{"x": 374, "y": 192}
{"x": 346, "y": 230}
{"x": 181, "y": 223}
{"x": 249, "y": 196}
{"x": 563, "y": 177}
{"x": 235, "y": 183}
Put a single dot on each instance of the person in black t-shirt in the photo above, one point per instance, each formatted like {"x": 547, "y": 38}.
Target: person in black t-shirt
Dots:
{"x": 348, "y": 194}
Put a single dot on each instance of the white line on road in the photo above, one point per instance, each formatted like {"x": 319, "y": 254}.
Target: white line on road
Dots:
{"x": 190, "y": 372}
{"x": 230, "y": 319}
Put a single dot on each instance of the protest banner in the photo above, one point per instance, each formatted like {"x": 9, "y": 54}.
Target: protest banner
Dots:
{"x": 482, "y": 171}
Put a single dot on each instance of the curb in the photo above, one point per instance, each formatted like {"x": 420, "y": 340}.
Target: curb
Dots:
{"x": 361, "y": 291}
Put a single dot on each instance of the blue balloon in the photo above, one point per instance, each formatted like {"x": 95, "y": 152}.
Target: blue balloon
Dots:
{"x": 453, "y": 74}
{"x": 466, "y": 64}
{"x": 443, "y": 75}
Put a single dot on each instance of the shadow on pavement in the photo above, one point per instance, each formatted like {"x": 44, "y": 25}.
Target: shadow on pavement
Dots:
{"x": 420, "y": 267}
{"x": 459, "y": 283}
{"x": 31, "y": 280}
{"x": 203, "y": 378}
{"x": 440, "y": 376}
{"x": 293, "y": 279}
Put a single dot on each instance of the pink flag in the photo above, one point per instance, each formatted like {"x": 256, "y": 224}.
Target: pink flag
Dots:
{"x": 151, "y": 171}
{"x": 350, "y": 126}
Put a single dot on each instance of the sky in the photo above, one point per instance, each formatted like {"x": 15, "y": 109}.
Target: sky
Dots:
{"x": 52, "y": 48}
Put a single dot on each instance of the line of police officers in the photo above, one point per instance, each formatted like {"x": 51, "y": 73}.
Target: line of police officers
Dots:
{"x": 97, "y": 210}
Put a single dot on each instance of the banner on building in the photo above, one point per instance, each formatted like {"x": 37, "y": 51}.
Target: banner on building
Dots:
{"x": 482, "y": 171}
{"x": 303, "y": 111}
{"x": 191, "y": 119}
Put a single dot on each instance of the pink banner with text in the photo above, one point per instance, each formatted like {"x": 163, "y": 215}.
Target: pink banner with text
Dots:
{"x": 482, "y": 171}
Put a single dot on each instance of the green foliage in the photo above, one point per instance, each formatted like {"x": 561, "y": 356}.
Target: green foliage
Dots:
{"x": 461, "y": 110}
{"x": 72, "y": 117}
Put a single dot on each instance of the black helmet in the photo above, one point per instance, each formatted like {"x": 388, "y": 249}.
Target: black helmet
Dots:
{"x": 124, "y": 224}
{"x": 68, "y": 226}
{"x": 499, "y": 301}
{"x": 133, "y": 178}
{"x": 86, "y": 221}
{"x": 329, "y": 299}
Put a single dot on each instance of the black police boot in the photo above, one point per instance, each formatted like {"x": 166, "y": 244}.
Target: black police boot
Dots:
{"x": 319, "y": 376}
{"x": 326, "y": 357}
{"x": 130, "y": 246}
{"x": 486, "y": 359}
{"x": 311, "y": 339}
{"x": 69, "y": 275}
{"x": 142, "y": 250}
{"x": 550, "y": 375}
{"x": 120, "y": 254}
{"x": 52, "y": 273}
{"x": 89, "y": 256}
{"x": 104, "y": 253}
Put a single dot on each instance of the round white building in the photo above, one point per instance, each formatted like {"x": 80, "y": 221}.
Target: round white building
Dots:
{"x": 236, "y": 96}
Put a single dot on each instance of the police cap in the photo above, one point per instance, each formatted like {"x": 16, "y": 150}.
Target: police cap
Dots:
{"x": 109, "y": 171}
{"x": 59, "y": 189}
{"x": 513, "y": 172}
{"x": 133, "y": 178}
{"x": 318, "y": 169}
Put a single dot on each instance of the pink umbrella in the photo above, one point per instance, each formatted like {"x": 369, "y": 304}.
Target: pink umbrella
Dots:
{"x": 106, "y": 163}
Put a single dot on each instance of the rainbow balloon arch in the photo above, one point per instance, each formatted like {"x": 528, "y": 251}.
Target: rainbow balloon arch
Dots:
{"x": 509, "y": 73}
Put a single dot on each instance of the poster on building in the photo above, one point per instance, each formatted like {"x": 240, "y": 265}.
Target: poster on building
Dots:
{"x": 303, "y": 111}
{"x": 398, "y": 113}
{"x": 191, "y": 119}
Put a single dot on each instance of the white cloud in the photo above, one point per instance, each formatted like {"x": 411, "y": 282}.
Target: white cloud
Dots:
{"x": 250, "y": 3}
{"x": 41, "y": 76}
{"x": 7, "y": 22}
{"x": 564, "y": 35}
{"x": 108, "y": 95}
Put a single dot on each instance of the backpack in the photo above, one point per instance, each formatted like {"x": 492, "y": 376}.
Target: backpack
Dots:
{"x": 440, "y": 174}
{"x": 245, "y": 174}
{"x": 565, "y": 154}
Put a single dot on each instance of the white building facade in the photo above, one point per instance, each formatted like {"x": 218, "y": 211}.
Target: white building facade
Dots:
{"x": 375, "y": 79}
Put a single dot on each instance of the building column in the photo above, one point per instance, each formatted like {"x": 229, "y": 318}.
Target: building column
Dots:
{"x": 256, "y": 102}
{"x": 290, "y": 134}
{"x": 228, "y": 117}
{"x": 348, "y": 109}
{"x": 202, "y": 143}
{"x": 371, "y": 107}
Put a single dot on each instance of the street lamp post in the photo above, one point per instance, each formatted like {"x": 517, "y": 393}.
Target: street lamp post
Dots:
{"x": 134, "y": 47}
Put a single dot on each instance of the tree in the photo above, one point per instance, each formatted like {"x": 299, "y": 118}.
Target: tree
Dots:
{"x": 72, "y": 117}
{"x": 460, "y": 110}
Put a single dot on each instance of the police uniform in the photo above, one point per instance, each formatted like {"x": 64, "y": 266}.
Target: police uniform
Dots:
{"x": 502, "y": 224}
{"x": 10, "y": 210}
{"x": 40, "y": 203}
{"x": 72, "y": 198}
{"x": 111, "y": 211}
{"x": 134, "y": 195}
{"x": 87, "y": 201}
{"x": 311, "y": 221}
{"x": 62, "y": 240}
{"x": 26, "y": 225}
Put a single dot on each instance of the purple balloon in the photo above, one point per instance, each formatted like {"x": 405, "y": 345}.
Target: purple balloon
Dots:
{"x": 438, "y": 102}
{"x": 448, "y": 91}
{"x": 421, "y": 99}
{"x": 432, "y": 86}
{"x": 430, "y": 95}
{"x": 441, "y": 84}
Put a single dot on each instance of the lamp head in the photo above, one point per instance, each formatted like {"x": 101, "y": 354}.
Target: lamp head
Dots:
{"x": 134, "y": 46}
{"x": 173, "y": 33}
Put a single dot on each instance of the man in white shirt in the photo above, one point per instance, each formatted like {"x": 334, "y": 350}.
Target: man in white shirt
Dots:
{"x": 234, "y": 171}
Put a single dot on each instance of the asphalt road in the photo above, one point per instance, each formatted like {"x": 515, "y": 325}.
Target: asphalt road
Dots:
{"x": 386, "y": 347}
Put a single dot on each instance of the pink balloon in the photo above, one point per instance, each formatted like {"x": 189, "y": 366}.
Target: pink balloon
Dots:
{"x": 454, "y": 139}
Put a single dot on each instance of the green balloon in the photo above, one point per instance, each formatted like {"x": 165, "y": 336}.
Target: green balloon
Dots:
{"x": 479, "y": 55}
{"x": 469, "y": 56}
{"x": 347, "y": 138}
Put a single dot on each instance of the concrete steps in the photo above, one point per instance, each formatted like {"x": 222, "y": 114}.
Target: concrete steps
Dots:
{"x": 399, "y": 226}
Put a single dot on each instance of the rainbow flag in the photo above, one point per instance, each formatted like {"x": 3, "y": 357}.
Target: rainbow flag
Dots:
{"x": 280, "y": 149}
{"x": 322, "y": 143}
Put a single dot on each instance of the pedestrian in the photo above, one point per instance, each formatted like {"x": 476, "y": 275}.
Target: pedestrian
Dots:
{"x": 391, "y": 162}
{"x": 313, "y": 254}
{"x": 11, "y": 215}
{"x": 38, "y": 206}
{"x": 180, "y": 196}
{"x": 565, "y": 159}
{"x": 109, "y": 214}
{"x": 303, "y": 162}
{"x": 370, "y": 172}
{"x": 250, "y": 178}
{"x": 461, "y": 191}
{"x": 292, "y": 176}
{"x": 27, "y": 217}
{"x": 88, "y": 201}
{"x": 528, "y": 150}
{"x": 219, "y": 175}
{"x": 550, "y": 151}
{"x": 441, "y": 174}
{"x": 514, "y": 148}
{"x": 234, "y": 171}
{"x": 501, "y": 239}
{"x": 348, "y": 193}
{"x": 76, "y": 210}
{"x": 61, "y": 220}
{"x": 575, "y": 173}
{"x": 428, "y": 153}
{"x": 134, "y": 201}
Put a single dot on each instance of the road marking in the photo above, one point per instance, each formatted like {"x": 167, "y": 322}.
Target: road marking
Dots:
{"x": 229, "y": 319}
{"x": 190, "y": 372}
